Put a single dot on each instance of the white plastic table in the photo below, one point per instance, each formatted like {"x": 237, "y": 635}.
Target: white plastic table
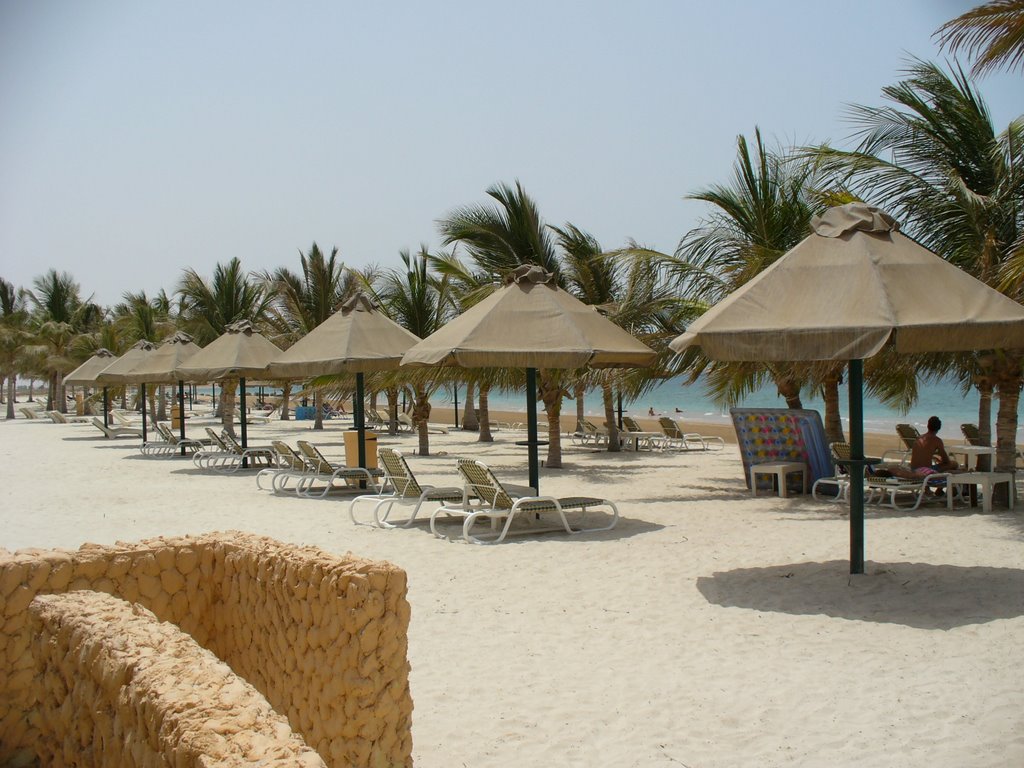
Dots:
{"x": 780, "y": 469}
{"x": 986, "y": 481}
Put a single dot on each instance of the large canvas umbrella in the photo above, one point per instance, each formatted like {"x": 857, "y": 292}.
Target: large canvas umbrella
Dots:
{"x": 85, "y": 376}
{"x": 161, "y": 365}
{"x": 851, "y": 287}
{"x": 358, "y": 338}
{"x": 531, "y": 323}
{"x": 237, "y": 353}
{"x": 122, "y": 371}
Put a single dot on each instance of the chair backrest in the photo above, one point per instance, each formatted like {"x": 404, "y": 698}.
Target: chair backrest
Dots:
{"x": 230, "y": 442}
{"x": 286, "y": 456}
{"x": 165, "y": 433}
{"x": 482, "y": 482}
{"x": 591, "y": 427}
{"x": 398, "y": 473}
{"x": 28, "y": 413}
{"x": 317, "y": 462}
{"x": 405, "y": 419}
{"x": 216, "y": 440}
{"x": 840, "y": 453}
{"x": 971, "y": 434}
{"x": 57, "y": 417}
{"x": 630, "y": 424}
{"x": 908, "y": 434}
{"x": 670, "y": 428}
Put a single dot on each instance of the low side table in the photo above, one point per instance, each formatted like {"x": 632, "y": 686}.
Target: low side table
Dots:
{"x": 987, "y": 481}
{"x": 780, "y": 469}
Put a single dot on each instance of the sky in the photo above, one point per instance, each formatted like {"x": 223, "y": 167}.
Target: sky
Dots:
{"x": 138, "y": 140}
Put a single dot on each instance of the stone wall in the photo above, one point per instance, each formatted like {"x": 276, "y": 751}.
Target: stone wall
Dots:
{"x": 323, "y": 638}
{"x": 120, "y": 688}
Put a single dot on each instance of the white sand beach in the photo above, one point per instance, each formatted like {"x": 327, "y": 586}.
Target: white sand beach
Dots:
{"x": 708, "y": 629}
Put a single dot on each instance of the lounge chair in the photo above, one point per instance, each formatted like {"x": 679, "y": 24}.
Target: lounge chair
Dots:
{"x": 114, "y": 432}
{"x": 124, "y": 419}
{"x": 62, "y": 418}
{"x": 322, "y": 470}
{"x": 405, "y": 490}
{"x": 405, "y": 420}
{"x": 224, "y": 454}
{"x": 29, "y": 413}
{"x": 840, "y": 481}
{"x": 633, "y": 431}
{"x": 677, "y": 439}
{"x": 485, "y": 496}
{"x": 919, "y": 490}
{"x": 288, "y": 465}
{"x": 171, "y": 445}
{"x": 591, "y": 434}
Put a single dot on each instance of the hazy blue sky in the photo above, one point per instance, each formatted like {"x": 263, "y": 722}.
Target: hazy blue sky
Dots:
{"x": 138, "y": 139}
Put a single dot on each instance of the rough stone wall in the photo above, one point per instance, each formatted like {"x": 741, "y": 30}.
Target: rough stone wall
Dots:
{"x": 323, "y": 638}
{"x": 121, "y": 688}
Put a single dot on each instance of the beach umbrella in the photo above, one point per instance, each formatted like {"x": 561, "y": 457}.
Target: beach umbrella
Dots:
{"x": 161, "y": 365}
{"x": 358, "y": 339}
{"x": 239, "y": 352}
{"x": 122, "y": 371}
{"x": 531, "y": 323}
{"x": 85, "y": 376}
{"x": 854, "y": 285}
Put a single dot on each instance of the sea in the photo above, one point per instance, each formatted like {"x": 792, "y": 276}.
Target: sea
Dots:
{"x": 939, "y": 398}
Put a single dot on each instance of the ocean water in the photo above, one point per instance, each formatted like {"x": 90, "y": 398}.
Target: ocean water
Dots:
{"x": 942, "y": 399}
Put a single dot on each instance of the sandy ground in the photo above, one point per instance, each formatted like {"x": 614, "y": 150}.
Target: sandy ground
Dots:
{"x": 707, "y": 629}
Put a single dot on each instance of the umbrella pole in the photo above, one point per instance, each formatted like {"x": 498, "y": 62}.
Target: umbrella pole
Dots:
{"x": 455, "y": 391}
{"x": 181, "y": 413}
{"x": 241, "y": 387}
{"x": 142, "y": 391}
{"x": 360, "y": 420}
{"x": 106, "y": 408}
{"x": 531, "y": 426}
{"x": 856, "y": 376}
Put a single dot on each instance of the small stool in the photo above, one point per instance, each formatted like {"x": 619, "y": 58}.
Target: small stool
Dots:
{"x": 780, "y": 469}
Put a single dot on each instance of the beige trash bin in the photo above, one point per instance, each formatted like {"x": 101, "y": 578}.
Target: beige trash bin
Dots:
{"x": 352, "y": 449}
{"x": 175, "y": 418}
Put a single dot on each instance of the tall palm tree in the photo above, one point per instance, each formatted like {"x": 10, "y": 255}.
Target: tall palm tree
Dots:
{"x": 208, "y": 308}
{"x": 13, "y": 337}
{"x": 60, "y": 316}
{"x": 139, "y": 318}
{"x": 300, "y": 301}
{"x": 992, "y": 33}
{"x": 499, "y": 238}
{"x": 935, "y": 160}
{"x": 758, "y": 217}
{"x": 419, "y": 302}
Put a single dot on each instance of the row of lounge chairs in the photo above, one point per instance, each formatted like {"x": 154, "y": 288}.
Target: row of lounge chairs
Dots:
{"x": 670, "y": 438}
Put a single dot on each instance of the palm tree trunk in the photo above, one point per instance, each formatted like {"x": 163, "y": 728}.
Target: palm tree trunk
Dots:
{"x": 484, "y": 421}
{"x": 161, "y": 409}
{"x": 286, "y": 395}
{"x": 420, "y": 417}
{"x": 985, "y": 419}
{"x": 551, "y": 394}
{"x": 318, "y": 409}
{"x": 227, "y": 405}
{"x": 12, "y": 392}
{"x": 1006, "y": 424}
{"x": 609, "y": 417}
{"x": 833, "y": 421}
{"x": 392, "y": 395}
{"x": 470, "y": 422}
{"x": 151, "y": 396}
{"x": 581, "y": 392}
{"x": 790, "y": 390}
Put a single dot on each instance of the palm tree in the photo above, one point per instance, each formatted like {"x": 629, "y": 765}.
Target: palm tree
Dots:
{"x": 208, "y": 308}
{"x": 139, "y": 318}
{"x": 60, "y": 316}
{"x": 992, "y": 33}
{"x": 498, "y": 239}
{"x": 303, "y": 300}
{"x": 935, "y": 161}
{"x": 419, "y": 302}
{"x": 13, "y": 336}
{"x": 763, "y": 213}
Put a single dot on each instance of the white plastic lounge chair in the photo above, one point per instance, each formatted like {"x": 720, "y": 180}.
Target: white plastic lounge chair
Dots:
{"x": 889, "y": 489}
{"x": 171, "y": 445}
{"x": 485, "y": 496}
{"x": 405, "y": 490}
{"x": 29, "y": 413}
{"x": 289, "y": 465}
{"x": 226, "y": 455}
{"x": 323, "y": 471}
{"x": 590, "y": 435}
{"x": 405, "y": 420}
{"x": 631, "y": 430}
{"x": 677, "y": 439}
{"x": 62, "y": 418}
{"x": 114, "y": 432}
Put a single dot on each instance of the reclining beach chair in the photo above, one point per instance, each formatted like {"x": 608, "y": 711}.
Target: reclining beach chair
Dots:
{"x": 114, "y": 432}
{"x": 919, "y": 490}
{"x": 405, "y": 490}
{"x": 62, "y": 418}
{"x": 485, "y": 496}
{"x": 908, "y": 435}
{"x": 405, "y": 421}
{"x": 288, "y": 465}
{"x": 676, "y": 439}
{"x": 591, "y": 434}
{"x": 631, "y": 430}
{"x": 322, "y": 470}
{"x": 225, "y": 454}
{"x": 28, "y": 413}
{"x": 171, "y": 445}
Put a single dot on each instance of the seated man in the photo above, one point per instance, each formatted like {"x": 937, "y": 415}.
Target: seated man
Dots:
{"x": 928, "y": 455}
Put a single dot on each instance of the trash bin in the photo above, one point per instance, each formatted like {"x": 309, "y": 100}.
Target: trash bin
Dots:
{"x": 79, "y": 404}
{"x": 352, "y": 449}
{"x": 175, "y": 418}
